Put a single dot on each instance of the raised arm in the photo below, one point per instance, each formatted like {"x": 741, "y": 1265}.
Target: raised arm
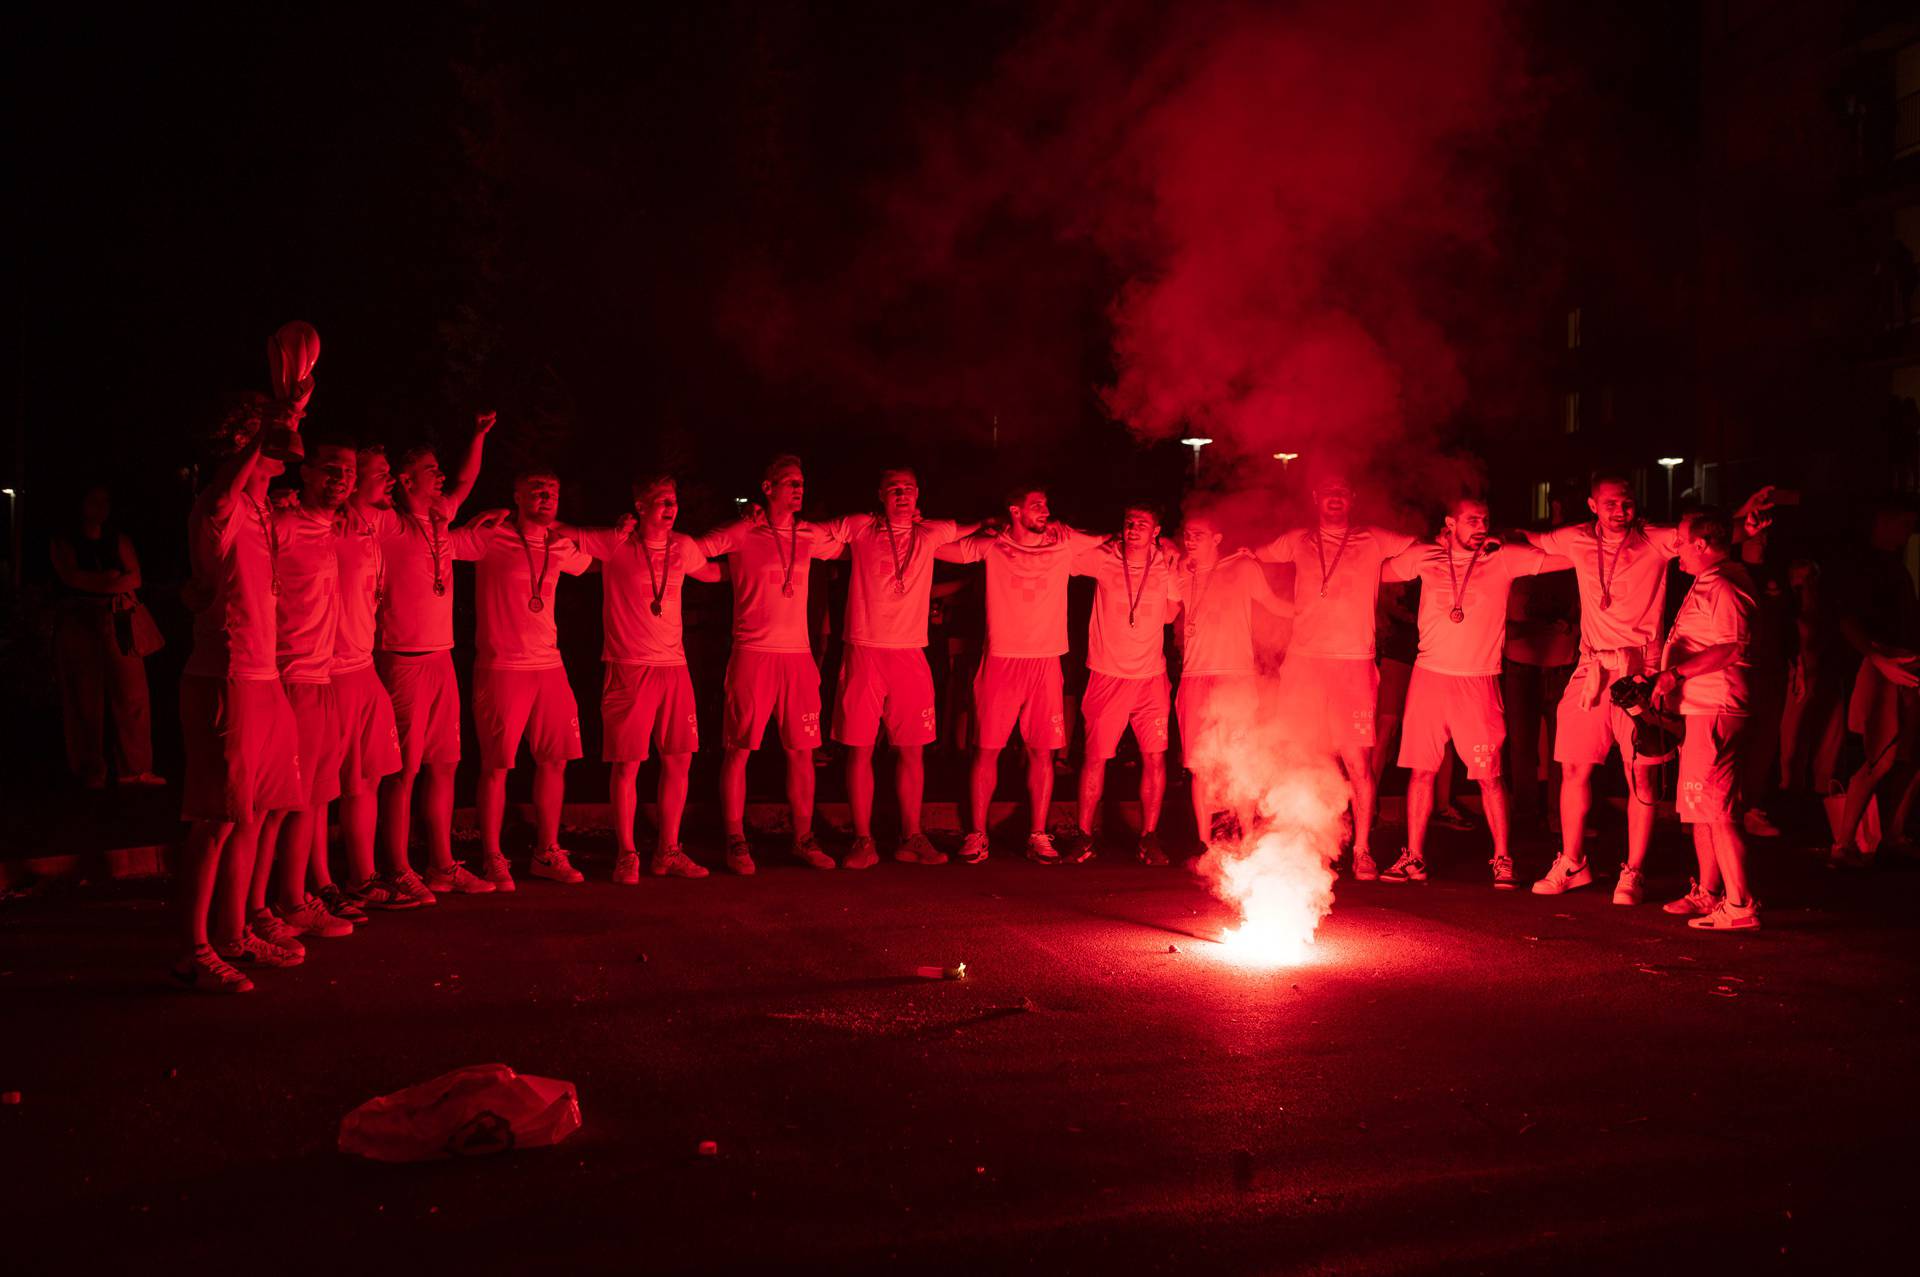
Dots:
{"x": 230, "y": 478}
{"x": 451, "y": 499}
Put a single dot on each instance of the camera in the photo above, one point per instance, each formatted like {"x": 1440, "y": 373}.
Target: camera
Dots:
{"x": 1656, "y": 733}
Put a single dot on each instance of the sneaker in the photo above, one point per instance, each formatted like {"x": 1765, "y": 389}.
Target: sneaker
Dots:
{"x": 204, "y": 971}
{"x": 1848, "y": 857}
{"x": 412, "y": 887}
{"x": 251, "y": 951}
{"x": 671, "y": 862}
{"x": 1364, "y": 870}
{"x": 1040, "y": 849}
{"x": 312, "y": 919}
{"x": 1631, "y": 887}
{"x": 1453, "y": 818}
{"x": 553, "y": 865}
{"x": 341, "y": 904}
{"x": 973, "y": 849}
{"x": 1503, "y": 879}
{"x": 1758, "y": 824}
{"x": 1074, "y": 846}
{"x": 918, "y": 849}
{"x": 378, "y": 893}
{"x": 268, "y": 927}
{"x": 740, "y": 856}
{"x": 1409, "y": 868}
{"x": 497, "y": 872}
{"x": 1727, "y": 916}
{"x": 1695, "y": 903}
{"x": 1149, "y": 850}
{"x": 626, "y": 869}
{"x": 147, "y": 779}
{"x": 457, "y": 880}
{"x": 1564, "y": 875}
{"x": 806, "y": 850}
{"x": 862, "y": 855}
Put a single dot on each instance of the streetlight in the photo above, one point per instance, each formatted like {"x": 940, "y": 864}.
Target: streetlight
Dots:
{"x": 1196, "y": 443}
{"x": 1670, "y": 463}
{"x": 1286, "y": 459}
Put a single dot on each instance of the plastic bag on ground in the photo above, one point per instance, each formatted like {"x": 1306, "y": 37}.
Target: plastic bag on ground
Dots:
{"x": 470, "y": 1112}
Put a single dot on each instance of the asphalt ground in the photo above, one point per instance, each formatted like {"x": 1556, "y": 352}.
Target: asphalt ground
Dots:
{"x": 1459, "y": 1081}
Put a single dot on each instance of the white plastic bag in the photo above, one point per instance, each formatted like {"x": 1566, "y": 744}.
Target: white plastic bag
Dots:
{"x": 470, "y": 1112}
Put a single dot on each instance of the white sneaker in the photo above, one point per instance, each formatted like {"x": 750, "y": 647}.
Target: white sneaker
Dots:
{"x": 1697, "y": 902}
{"x": 1727, "y": 916}
{"x": 973, "y": 849}
{"x": 1631, "y": 887}
{"x": 553, "y": 865}
{"x": 1563, "y": 876}
{"x": 1364, "y": 870}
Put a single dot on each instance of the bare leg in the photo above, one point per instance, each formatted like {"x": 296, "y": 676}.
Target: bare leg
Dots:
{"x": 265, "y": 848}
{"x": 359, "y": 818}
{"x": 1419, "y": 811}
{"x": 1202, "y": 807}
{"x": 621, "y": 796}
{"x": 1153, "y": 789}
{"x": 549, "y": 792}
{"x": 733, "y": 790}
{"x": 986, "y": 770}
{"x": 1731, "y": 851}
{"x": 1493, "y": 797}
{"x": 800, "y": 790}
{"x": 438, "y": 801}
{"x": 199, "y": 867}
{"x": 909, "y": 785}
{"x": 396, "y": 820}
{"x": 1576, "y": 796}
{"x": 1093, "y": 780}
{"x": 672, "y": 796}
{"x": 1708, "y": 857}
{"x": 1040, "y": 786}
{"x": 1358, "y": 760}
{"x": 490, "y": 796}
{"x": 232, "y": 885}
{"x": 296, "y": 848}
{"x": 1640, "y": 810}
{"x": 860, "y": 788}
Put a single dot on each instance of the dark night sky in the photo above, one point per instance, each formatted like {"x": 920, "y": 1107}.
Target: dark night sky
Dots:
{"x": 565, "y": 217}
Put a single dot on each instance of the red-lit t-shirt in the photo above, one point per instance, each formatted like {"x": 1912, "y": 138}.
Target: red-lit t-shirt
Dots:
{"x": 1026, "y": 587}
{"x": 1133, "y": 599}
{"x": 357, "y": 545}
{"x": 233, "y": 566}
{"x": 634, "y": 575}
{"x": 1477, "y": 585}
{"x": 769, "y": 569}
{"x": 1336, "y": 587}
{"x": 892, "y": 586}
{"x": 1622, "y": 584}
{"x": 1217, "y": 630}
{"x": 1719, "y": 609}
{"x": 416, "y": 554}
{"x": 309, "y": 599}
{"x": 515, "y": 566}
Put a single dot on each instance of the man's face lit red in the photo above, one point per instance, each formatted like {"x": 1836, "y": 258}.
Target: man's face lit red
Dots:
{"x": 899, "y": 496}
{"x": 537, "y": 499}
{"x": 1612, "y": 504}
{"x": 422, "y": 482}
{"x": 786, "y": 491}
{"x": 374, "y": 487}
{"x": 1333, "y": 500}
{"x": 657, "y": 508}
{"x": 1031, "y": 515}
{"x": 1468, "y": 525}
{"x": 1139, "y": 530}
{"x": 1200, "y": 541}
{"x": 326, "y": 478}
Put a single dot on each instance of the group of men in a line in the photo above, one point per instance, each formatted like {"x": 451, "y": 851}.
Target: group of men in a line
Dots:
{"x": 322, "y": 670}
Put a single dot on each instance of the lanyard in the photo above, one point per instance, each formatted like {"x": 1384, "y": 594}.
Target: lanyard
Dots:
{"x": 1608, "y": 573}
{"x": 1459, "y": 613}
{"x": 893, "y": 548}
{"x": 434, "y": 546}
{"x": 658, "y": 583}
{"x": 1126, "y": 566}
{"x": 793, "y": 554}
{"x": 1199, "y": 599}
{"x": 536, "y": 601}
{"x": 1319, "y": 548}
{"x": 272, "y": 536}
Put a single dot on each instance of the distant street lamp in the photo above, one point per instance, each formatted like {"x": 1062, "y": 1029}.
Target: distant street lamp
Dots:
{"x": 1196, "y": 443}
{"x": 1670, "y": 463}
{"x": 1286, "y": 460}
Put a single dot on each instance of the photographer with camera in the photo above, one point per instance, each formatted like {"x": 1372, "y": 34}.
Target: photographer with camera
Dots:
{"x": 1705, "y": 674}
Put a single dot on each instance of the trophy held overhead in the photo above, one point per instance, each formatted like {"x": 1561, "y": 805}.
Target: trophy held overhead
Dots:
{"x": 291, "y": 354}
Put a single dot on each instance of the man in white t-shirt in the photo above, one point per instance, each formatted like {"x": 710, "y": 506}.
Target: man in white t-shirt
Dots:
{"x": 1133, "y": 600}
{"x": 414, "y": 658}
{"x": 1706, "y": 675}
{"x": 520, "y": 687}
{"x": 1455, "y": 693}
{"x": 771, "y": 674}
{"x": 1330, "y": 682}
{"x": 1019, "y": 680}
{"x": 646, "y": 697}
{"x": 1218, "y": 699}
{"x": 242, "y": 760}
{"x": 884, "y": 677}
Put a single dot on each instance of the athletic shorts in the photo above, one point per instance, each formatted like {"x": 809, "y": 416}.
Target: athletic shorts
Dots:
{"x": 1465, "y": 709}
{"x": 1211, "y": 704}
{"x": 1709, "y": 791}
{"x": 1584, "y": 733}
{"x": 370, "y": 742}
{"x": 890, "y": 685}
{"x": 535, "y": 704}
{"x": 783, "y": 686}
{"x": 1327, "y": 702}
{"x": 646, "y": 705}
{"x": 426, "y": 705}
{"x": 1111, "y": 705}
{"x": 1019, "y": 689}
{"x": 1885, "y": 716}
{"x": 316, "y": 723}
{"x": 243, "y": 754}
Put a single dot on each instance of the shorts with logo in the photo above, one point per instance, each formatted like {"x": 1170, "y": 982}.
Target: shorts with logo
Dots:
{"x": 1465, "y": 709}
{"x": 243, "y": 754}
{"x": 537, "y": 705}
{"x": 370, "y": 742}
{"x": 890, "y": 685}
{"x": 316, "y": 725}
{"x": 1327, "y": 702}
{"x": 1583, "y": 733}
{"x": 646, "y": 705}
{"x": 1111, "y": 705}
{"x": 1709, "y": 789}
{"x": 1026, "y": 690}
{"x": 1210, "y": 704}
{"x": 783, "y": 686}
{"x": 426, "y": 705}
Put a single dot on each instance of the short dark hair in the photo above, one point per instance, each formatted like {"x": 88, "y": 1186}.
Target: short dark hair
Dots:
{"x": 1710, "y": 525}
{"x": 647, "y": 482}
{"x": 373, "y": 449}
{"x": 1147, "y": 508}
{"x": 415, "y": 455}
{"x": 1019, "y": 492}
{"x": 534, "y": 471}
{"x": 1460, "y": 499}
{"x": 1599, "y": 477}
{"x": 313, "y": 443}
{"x": 779, "y": 463}
{"x": 909, "y": 471}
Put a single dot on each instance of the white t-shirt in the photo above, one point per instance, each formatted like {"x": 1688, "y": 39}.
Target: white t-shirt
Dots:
{"x": 1626, "y": 614}
{"x": 512, "y": 634}
{"x": 892, "y": 586}
{"x": 416, "y": 553}
{"x": 1718, "y": 609}
{"x": 769, "y": 571}
{"x": 1477, "y": 584}
{"x": 1026, "y": 587}
{"x": 1217, "y": 630}
{"x": 357, "y": 545}
{"x": 309, "y": 600}
{"x": 233, "y": 565}
{"x": 1133, "y": 599}
{"x": 633, "y": 577}
{"x": 1336, "y": 587}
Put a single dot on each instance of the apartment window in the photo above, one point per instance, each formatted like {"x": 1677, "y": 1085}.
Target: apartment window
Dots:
{"x": 1542, "y": 495}
{"x": 1573, "y": 329}
{"x": 1571, "y": 423}
{"x": 1906, "y": 101}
